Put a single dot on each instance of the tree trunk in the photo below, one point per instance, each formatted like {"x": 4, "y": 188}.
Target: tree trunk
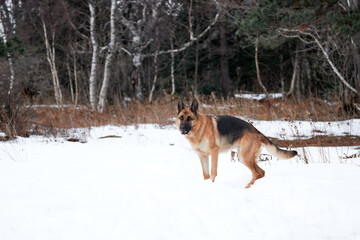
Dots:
{"x": 50, "y": 54}
{"x": 282, "y": 78}
{"x": 355, "y": 47}
{"x": 70, "y": 78}
{"x": 8, "y": 56}
{"x": 12, "y": 72}
{"x": 353, "y": 5}
{"x": 76, "y": 81}
{"x": 224, "y": 64}
{"x": 308, "y": 75}
{"x": 298, "y": 82}
{"x": 195, "y": 87}
{"x": 136, "y": 82}
{"x": 295, "y": 73}
{"x": 155, "y": 78}
{"x": 137, "y": 63}
{"x": 172, "y": 61}
{"x": 258, "y": 70}
{"x": 108, "y": 61}
{"x": 95, "y": 58}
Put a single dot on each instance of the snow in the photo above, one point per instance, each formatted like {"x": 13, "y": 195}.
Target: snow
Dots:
{"x": 306, "y": 129}
{"x": 145, "y": 182}
{"x": 255, "y": 96}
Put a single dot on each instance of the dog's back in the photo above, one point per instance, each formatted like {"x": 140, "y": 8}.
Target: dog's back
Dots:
{"x": 232, "y": 128}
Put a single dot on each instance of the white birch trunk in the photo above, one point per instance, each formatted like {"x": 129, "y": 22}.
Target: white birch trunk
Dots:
{"x": 295, "y": 73}
{"x": 108, "y": 61}
{"x": 282, "y": 82}
{"x": 12, "y": 72}
{"x": 76, "y": 83}
{"x": 8, "y": 56}
{"x": 70, "y": 78}
{"x": 258, "y": 69}
{"x": 50, "y": 55}
{"x": 172, "y": 66}
{"x": 136, "y": 57}
{"x": 95, "y": 58}
{"x": 155, "y": 78}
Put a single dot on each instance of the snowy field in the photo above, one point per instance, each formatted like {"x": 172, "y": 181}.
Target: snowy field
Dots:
{"x": 145, "y": 182}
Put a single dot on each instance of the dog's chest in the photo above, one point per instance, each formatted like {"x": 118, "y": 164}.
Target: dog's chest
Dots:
{"x": 200, "y": 146}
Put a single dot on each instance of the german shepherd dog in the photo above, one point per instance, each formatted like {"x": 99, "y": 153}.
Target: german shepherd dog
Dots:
{"x": 210, "y": 135}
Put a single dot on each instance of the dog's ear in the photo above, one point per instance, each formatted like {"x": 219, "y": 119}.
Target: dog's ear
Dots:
{"x": 194, "y": 106}
{"x": 180, "y": 105}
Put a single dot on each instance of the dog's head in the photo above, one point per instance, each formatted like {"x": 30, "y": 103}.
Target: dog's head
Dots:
{"x": 187, "y": 117}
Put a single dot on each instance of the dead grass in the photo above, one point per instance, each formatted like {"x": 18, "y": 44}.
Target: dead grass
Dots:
{"x": 319, "y": 141}
{"x": 51, "y": 121}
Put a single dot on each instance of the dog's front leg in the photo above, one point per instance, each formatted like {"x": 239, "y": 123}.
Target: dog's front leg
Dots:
{"x": 204, "y": 159}
{"x": 214, "y": 162}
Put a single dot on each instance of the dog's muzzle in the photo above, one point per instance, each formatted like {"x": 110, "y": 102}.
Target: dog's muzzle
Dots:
{"x": 184, "y": 129}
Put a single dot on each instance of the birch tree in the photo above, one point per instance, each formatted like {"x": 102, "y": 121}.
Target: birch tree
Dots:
{"x": 6, "y": 12}
{"x": 50, "y": 56}
{"x": 137, "y": 45}
{"x": 258, "y": 69}
{"x": 172, "y": 11}
{"x": 108, "y": 60}
{"x": 95, "y": 56}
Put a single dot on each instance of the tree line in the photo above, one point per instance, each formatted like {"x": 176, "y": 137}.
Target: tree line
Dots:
{"x": 100, "y": 52}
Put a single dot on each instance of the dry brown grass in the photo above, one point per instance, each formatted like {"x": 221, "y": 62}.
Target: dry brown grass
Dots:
{"x": 319, "y": 141}
{"x": 162, "y": 112}
{"x": 51, "y": 121}
{"x": 135, "y": 113}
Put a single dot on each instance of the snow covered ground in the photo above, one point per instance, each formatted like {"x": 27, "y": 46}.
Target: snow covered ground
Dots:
{"x": 145, "y": 182}
{"x": 255, "y": 96}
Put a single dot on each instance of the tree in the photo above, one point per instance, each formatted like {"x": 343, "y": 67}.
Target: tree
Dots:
{"x": 95, "y": 56}
{"x": 51, "y": 58}
{"x": 109, "y": 58}
{"x": 7, "y": 28}
{"x": 312, "y": 22}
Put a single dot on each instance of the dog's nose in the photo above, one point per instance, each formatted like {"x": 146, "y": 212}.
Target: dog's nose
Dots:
{"x": 183, "y": 129}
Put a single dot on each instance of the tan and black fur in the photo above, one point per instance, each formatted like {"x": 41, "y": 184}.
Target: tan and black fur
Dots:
{"x": 210, "y": 135}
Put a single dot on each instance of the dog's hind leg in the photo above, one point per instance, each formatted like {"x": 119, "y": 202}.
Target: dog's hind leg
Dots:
{"x": 259, "y": 170}
{"x": 249, "y": 151}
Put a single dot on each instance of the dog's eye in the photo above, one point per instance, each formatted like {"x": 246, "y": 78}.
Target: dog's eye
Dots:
{"x": 189, "y": 119}
{"x": 181, "y": 118}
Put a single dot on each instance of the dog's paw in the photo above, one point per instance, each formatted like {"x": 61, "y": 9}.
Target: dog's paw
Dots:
{"x": 206, "y": 177}
{"x": 248, "y": 185}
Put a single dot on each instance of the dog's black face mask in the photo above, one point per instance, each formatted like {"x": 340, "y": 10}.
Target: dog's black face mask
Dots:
{"x": 185, "y": 124}
{"x": 186, "y": 117}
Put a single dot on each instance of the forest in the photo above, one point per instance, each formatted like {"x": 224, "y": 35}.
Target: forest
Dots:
{"x": 103, "y": 55}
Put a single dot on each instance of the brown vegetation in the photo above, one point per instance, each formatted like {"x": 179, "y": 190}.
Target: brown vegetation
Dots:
{"x": 162, "y": 111}
{"x": 319, "y": 141}
{"x": 51, "y": 121}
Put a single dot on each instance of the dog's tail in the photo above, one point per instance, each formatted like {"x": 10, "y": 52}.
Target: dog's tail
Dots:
{"x": 277, "y": 152}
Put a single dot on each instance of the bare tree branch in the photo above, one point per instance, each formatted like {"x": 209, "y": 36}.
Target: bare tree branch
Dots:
{"x": 340, "y": 76}
{"x": 192, "y": 38}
